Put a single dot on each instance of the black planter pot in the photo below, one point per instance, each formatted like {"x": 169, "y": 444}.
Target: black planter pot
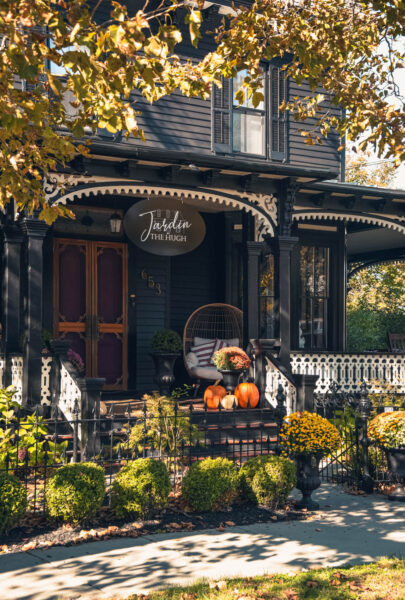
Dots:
{"x": 230, "y": 379}
{"x": 164, "y": 366}
{"x": 308, "y": 480}
{"x": 396, "y": 464}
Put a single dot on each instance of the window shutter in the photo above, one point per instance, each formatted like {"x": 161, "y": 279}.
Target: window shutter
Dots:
{"x": 221, "y": 117}
{"x": 278, "y": 118}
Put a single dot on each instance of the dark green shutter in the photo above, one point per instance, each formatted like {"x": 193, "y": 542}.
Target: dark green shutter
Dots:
{"x": 278, "y": 118}
{"x": 221, "y": 117}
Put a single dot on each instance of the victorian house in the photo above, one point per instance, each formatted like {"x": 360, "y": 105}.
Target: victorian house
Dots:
{"x": 222, "y": 205}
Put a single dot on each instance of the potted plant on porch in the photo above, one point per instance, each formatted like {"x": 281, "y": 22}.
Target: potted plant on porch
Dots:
{"x": 231, "y": 362}
{"x": 166, "y": 347}
{"x": 388, "y": 430}
{"x": 308, "y": 437}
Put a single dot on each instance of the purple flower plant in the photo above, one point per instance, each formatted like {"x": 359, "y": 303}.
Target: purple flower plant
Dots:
{"x": 76, "y": 360}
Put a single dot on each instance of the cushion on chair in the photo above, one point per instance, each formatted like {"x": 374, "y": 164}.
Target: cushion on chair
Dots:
{"x": 198, "y": 341}
{"x": 204, "y": 352}
{"x": 209, "y": 373}
{"x": 226, "y": 343}
{"x": 191, "y": 360}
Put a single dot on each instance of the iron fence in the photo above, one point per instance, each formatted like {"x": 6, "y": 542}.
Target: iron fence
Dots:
{"x": 358, "y": 461}
{"x": 170, "y": 430}
{"x": 177, "y": 433}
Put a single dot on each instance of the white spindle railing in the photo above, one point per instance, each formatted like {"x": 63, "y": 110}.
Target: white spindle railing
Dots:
{"x": 275, "y": 377}
{"x": 46, "y": 380}
{"x": 383, "y": 372}
{"x": 70, "y": 394}
{"x": 16, "y": 363}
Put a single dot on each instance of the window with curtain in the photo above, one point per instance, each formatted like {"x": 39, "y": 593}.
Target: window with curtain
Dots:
{"x": 248, "y": 122}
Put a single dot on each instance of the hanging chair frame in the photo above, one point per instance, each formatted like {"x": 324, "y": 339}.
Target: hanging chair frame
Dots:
{"x": 217, "y": 320}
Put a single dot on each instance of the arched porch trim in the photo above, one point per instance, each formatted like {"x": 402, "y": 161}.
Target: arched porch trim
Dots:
{"x": 304, "y": 215}
{"x": 263, "y": 207}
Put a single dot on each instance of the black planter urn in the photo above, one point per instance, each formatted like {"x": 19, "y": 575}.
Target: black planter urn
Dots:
{"x": 396, "y": 464}
{"x": 308, "y": 480}
{"x": 230, "y": 379}
{"x": 164, "y": 367}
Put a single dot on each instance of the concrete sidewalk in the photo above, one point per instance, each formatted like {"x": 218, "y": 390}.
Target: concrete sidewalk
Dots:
{"x": 349, "y": 529}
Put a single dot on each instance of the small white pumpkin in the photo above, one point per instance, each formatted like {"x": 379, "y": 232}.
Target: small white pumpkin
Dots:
{"x": 228, "y": 401}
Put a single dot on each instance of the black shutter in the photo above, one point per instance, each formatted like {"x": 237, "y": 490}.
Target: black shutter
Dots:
{"x": 278, "y": 118}
{"x": 221, "y": 117}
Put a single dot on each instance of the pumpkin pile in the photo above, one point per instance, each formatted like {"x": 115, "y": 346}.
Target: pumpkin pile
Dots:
{"x": 246, "y": 396}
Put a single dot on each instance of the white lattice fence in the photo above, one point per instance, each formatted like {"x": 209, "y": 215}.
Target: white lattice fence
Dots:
{"x": 381, "y": 371}
{"x": 273, "y": 379}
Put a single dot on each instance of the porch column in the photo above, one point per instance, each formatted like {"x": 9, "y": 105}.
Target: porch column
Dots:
{"x": 285, "y": 247}
{"x": 251, "y": 302}
{"x": 11, "y": 288}
{"x": 35, "y": 231}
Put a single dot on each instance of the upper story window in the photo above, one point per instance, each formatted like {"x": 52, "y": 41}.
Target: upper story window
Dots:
{"x": 257, "y": 131}
{"x": 248, "y": 122}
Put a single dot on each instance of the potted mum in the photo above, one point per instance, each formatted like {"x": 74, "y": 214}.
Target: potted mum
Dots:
{"x": 388, "y": 431}
{"x": 231, "y": 362}
{"x": 308, "y": 437}
{"x": 166, "y": 347}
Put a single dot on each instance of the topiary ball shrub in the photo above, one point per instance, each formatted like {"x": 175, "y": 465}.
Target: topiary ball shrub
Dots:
{"x": 267, "y": 480}
{"x": 13, "y": 501}
{"x": 75, "y": 492}
{"x": 140, "y": 487}
{"x": 210, "y": 484}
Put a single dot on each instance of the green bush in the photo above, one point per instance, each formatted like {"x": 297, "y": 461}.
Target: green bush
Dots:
{"x": 210, "y": 484}
{"x": 75, "y": 492}
{"x": 140, "y": 487}
{"x": 13, "y": 501}
{"x": 166, "y": 340}
{"x": 267, "y": 480}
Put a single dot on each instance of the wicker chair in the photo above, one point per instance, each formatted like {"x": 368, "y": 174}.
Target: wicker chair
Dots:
{"x": 220, "y": 321}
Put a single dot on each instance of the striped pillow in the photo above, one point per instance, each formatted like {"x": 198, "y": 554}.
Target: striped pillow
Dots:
{"x": 204, "y": 352}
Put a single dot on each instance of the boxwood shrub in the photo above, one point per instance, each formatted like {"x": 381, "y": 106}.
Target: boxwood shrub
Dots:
{"x": 210, "y": 484}
{"x": 140, "y": 487}
{"x": 13, "y": 501}
{"x": 267, "y": 480}
{"x": 75, "y": 492}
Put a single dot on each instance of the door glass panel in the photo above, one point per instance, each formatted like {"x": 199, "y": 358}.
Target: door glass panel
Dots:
{"x": 267, "y": 298}
{"x": 72, "y": 269}
{"x": 109, "y": 285}
{"x": 109, "y": 358}
{"x": 314, "y": 294}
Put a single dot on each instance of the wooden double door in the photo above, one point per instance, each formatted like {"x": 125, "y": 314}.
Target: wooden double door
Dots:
{"x": 90, "y": 305}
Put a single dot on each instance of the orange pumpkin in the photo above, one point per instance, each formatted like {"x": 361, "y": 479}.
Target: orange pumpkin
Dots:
{"x": 213, "y": 395}
{"x": 247, "y": 392}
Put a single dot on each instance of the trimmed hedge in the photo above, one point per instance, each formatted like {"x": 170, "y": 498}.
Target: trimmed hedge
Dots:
{"x": 13, "y": 501}
{"x": 140, "y": 487}
{"x": 267, "y": 480}
{"x": 210, "y": 484}
{"x": 75, "y": 492}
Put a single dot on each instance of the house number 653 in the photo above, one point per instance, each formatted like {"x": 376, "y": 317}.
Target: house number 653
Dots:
{"x": 151, "y": 282}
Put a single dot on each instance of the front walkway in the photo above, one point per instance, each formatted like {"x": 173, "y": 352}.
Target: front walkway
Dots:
{"x": 349, "y": 529}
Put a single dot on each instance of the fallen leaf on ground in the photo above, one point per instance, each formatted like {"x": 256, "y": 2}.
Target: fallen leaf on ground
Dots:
{"x": 175, "y": 525}
{"x": 291, "y": 595}
{"x": 312, "y": 584}
{"x": 273, "y": 518}
{"x": 221, "y": 528}
{"x": 317, "y": 529}
{"x": 29, "y": 546}
{"x": 4, "y": 548}
{"x": 230, "y": 523}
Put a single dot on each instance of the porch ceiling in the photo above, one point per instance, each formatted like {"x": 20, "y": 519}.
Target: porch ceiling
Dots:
{"x": 371, "y": 240}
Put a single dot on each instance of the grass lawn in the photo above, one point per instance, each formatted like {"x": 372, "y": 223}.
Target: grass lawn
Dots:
{"x": 384, "y": 580}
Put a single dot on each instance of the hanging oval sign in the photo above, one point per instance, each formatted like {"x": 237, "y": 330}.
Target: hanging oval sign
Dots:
{"x": 164, "y": 226}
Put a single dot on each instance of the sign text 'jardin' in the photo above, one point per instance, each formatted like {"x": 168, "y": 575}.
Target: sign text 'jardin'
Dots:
{"x": 164, "y": 226}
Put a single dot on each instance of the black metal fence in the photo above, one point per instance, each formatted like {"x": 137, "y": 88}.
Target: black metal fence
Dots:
{"x": 170, "y": 430}
{"x": 179, "y": 434}
{"x": 358, "y": 462}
